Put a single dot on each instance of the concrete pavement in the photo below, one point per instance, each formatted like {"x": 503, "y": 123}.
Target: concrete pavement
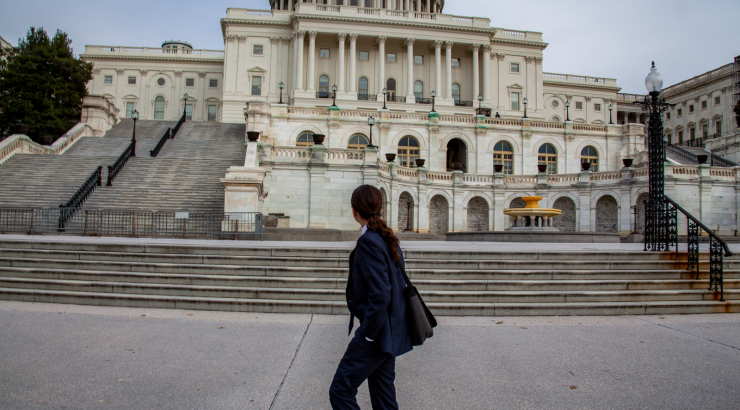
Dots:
{"x": 84, "y": 357}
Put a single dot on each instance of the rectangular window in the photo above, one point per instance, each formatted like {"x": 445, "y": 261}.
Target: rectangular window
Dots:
{"x": 514, "y": 67}
{"x": 257, "y": 50}
{"x": 679, "y": 112}
{"x": 515, "y": 101}
{"x": 132, "y": 80}
{"x": 718, "y": 128}
{"x": 691, "y": 108}
{"x": 190, "y": 82}
{"x": 705, "y": 131}
{"x": 667, "y": 116}
{"x": 188, "y": 111}
{"x": 324, "y": 53}
{"x": 418, "y": 59}
{"x": 211, "y": 113}
{"x": 364, "y": 56}
{"x": 717, "y": 100}
{"x": 680, "y": 137}
{"x": 703, "y": 105}
{"x": 579, "y": 105}
{"x": 390, "y": 57}
{"x": 456, "y": 62}
{"x": 692, "y": 134}
{"x": 669, "y": 137}
{"x": 213, "y": 83}
{"x": 256, "y": 85}
{"x": 108, "y": 79}
{"x": 129, "y": 109}
{"x": 597, "y": 107}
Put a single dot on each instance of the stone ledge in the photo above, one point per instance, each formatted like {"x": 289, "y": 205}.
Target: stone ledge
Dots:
{"x": 540, "y": 237}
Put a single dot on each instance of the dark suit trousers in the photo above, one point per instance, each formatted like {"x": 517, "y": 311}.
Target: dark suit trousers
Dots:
{"x": 362, "y": 361}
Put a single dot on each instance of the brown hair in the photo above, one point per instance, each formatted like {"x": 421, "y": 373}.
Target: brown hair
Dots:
{"x": 368, "y": 202}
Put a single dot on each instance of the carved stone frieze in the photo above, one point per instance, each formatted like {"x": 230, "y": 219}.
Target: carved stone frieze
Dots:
{"x": 274, "y": 40}
{"x": 475, "y": 47}
{"x": 231, "y": 38}
{"x": 341, "y": 36}
{"x": 409, "y": 41}
{"x": 538, "y": 60}
{"x": 529, "y": 59}
{"x": 434, "y": 129}
{"x": 119, "y": 71}
{"x": 438, "y": 43}
{"x": 312, "y": 35}
{"x": 570, "y": 137}
{"x": 527, "y": 135}
{"x": 96, "y": 71}
{"x": 178, "y": 74}
{"x": 500, "y": 56}
{"x": 481, "y": 131}
{"x": 448, "y": 44}
{"x": 242, "y": 39}
{"x": 334, "y": 124}
{"x": 353, "y": 37}
{"x": 202, "y": 74}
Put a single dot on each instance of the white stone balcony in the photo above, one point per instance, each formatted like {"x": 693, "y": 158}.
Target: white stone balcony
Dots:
{"x": 579, "y": 79}
{"x": 153, "y": 52}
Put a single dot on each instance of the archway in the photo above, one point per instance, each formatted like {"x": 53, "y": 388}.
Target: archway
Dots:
{"x": 477, "y": 214}
{"x": 566, "y": 221}
{"x": 439, "y": 212}
{"x": 384, "y": 207}
{"x": 405, "y": 212}
{"x": 457, "y": 152}
{"x": 607, "y": 214}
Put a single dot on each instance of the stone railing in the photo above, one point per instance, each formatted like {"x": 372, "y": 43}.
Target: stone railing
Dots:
{"x": 312, "y": 112}
{"x": 699, "y": 79}
{"x": 153, "y": 51}
{"x": 629, "y": 98}
{"x": 344, "y": 155}
{"x": 22, "y": 144}
{"x": 570, "y": 78}
{"x": 292, "y": 153}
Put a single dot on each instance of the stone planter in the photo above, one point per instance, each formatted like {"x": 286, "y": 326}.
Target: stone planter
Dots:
{"x": 702, "y": 158}
{"x": 21, "y": 129}
{"x": 45, "y": 140}
{"x": 457, "y": 166}
{"x": 253, "y": 136}
{"x": 627, "y": 162}
{"x": 498, "y": 168}
{"x": 542, "y": 168}
{"x": 390, "y": 157}
{"x": 318, "y": 139}
{"x": 420, "y": 162}
{"x": 585, "y": 166}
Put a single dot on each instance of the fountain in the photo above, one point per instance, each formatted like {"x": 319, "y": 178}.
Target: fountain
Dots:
{"x": 532, "y": 218}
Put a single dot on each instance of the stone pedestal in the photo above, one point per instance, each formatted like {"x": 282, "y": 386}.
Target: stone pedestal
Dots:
{"x": 243, "y": 189}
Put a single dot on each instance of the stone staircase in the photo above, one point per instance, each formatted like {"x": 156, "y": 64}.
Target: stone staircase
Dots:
{"x": 235, "y": 277}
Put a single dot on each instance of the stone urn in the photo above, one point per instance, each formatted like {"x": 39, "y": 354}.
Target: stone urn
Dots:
{"x": 420, "y": 162}
{"x": 585, "y": 166}
{"x": 702, "y": 159}
{"x": 627, "y": 162}
{"x": 21, "y": 129}
{"x": 542, "y": 168}
{"x": 318, "y": 139}
{"x": 253, "y": 136}
{"x": 45, "y": 139}
{"x": 498, "y": 168}
{"x": 457, "y": 166}
{"x": 390, "y": 157}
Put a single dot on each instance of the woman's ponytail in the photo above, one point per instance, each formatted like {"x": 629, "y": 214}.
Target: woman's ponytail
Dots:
{"x": 368, "y": 202}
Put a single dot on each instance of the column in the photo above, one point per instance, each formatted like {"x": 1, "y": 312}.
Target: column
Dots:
{"x": 340, "y": 63}
{"x": 240, "y": 72}
{"x": 476, "y": 74}
{"x": 448, "y": 83}
{"x": 531, "y": 81}
{"x": 501, "y": 89}
{"x": 290, "y": 5}
{"x": 311, "y": 59}
{"x": 143, "y": 95}
{"x": 274, "y": 68}
{"x": 406, "y": 5}
{"x": 381, "y": 65}
{"x": 177, "y": 109}
{"x": 438, "y": 67}
{"x": 418, "y": 5}
{"x": 201, "y": 114}
{"x": 539, "y": 93}
{"x": 486, "y": 72}
{"x": 299, "y": 62}
{"x": 119, "y": 91}
{"x": 285, "y": 64}
{"x": 410, "y": 70}
{"x": 352, "y": 62}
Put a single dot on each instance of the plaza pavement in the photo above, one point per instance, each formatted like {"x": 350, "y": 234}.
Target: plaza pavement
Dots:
{"x": 85, "y": 357}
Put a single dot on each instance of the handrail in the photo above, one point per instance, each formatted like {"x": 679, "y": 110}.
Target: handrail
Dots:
{"x": 117, "y": 166}
{"x": 716, "y": 237}
{"x": 177, "y": 127}
{"x": 68, "y": 209}
{"x": 167, "y": 135}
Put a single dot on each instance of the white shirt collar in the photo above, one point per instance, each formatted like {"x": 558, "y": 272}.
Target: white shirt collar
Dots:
{"x": 364, "y": 229}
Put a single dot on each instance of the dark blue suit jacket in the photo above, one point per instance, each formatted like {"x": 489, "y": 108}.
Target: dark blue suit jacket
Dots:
{"x": 375, "y": 294}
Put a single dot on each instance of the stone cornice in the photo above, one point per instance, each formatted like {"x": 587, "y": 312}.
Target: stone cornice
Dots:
{"x": 667, "y": 93}
{"x": 541, "y": 46}
{"x": 586, "y": 86}
{"x": 89, "y": 57}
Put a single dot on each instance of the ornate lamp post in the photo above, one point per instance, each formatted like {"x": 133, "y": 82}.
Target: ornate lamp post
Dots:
{"x": 371, "y": 122}
{"x": 281, "y": 86}
{"x": 567, "y": 111}
{"x": 611, "y": 107}
{"x": 525, "y": 106}
{"x": 385, "y": 91}
{"x": 480, "y": 101}
{"x": 134, "y": 116}
{"x": 408, "y": 217}
{"x": 334, "y": 93}
{"x": 185, "y": 106}
{"x": 434, "y": 95}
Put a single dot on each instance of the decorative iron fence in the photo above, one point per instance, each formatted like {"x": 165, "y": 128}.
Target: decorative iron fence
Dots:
{"x": 396, "y": 98}
{"x": 463, "y": 103}
{"x": 367, "y": 97}
{"x": 131, "y": 223}
{"x": 423, "y": 100}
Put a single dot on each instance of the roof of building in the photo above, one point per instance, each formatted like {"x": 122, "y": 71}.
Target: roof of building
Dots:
{"x": 4, "y": 43}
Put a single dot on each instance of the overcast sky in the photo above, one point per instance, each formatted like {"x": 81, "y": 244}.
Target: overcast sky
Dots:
{"x": 596, "y": 38}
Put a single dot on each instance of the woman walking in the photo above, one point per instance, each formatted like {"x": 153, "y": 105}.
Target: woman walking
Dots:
{"x": 375, "y": 295}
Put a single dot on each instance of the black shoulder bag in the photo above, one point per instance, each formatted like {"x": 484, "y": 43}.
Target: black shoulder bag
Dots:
{"x": 419, "y": 319}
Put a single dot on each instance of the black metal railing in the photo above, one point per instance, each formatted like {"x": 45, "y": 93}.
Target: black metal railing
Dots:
{"x": 323, "y": 94}
{"x": 117, "y": 166}
{"x": 396, "y": 98}
{"x": 716, "y": 246}
{"x": 367, "y": 97}
{"x": 167, "y": 135}
{"x": 690, "y": 157}
{"x": 177, "y": 127}
{"x": 131, "y": 223}
{"x": 462, "y": 103}
{"x": 420, "y": 100}
{"x": 68, "y": 209}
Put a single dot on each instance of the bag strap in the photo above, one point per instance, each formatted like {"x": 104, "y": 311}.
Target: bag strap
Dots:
{"x": 405, "y": 276}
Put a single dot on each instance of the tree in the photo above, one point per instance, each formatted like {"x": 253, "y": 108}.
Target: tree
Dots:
{"x": 42, "y": 84}
{"x": 737, "y": 113}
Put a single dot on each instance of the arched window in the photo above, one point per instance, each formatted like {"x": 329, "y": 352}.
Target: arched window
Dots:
{"x": 408, "y": 151}
{"x": 390, "y": 86}
{"x": 357, "y": 141}
{"x": 324, "y": 86}
{"x": 159, "y": 108}
{"x": 363, "y": 88}
{"x": 548, "y": 156}
{"x": 456, "y": 92}
{"x": 419, "y": 89}
{"x": 305, "y": 139}
{"x": 588, "y": 154}
{"x": 504, "y": 155}
{"x": 555, "y": 118}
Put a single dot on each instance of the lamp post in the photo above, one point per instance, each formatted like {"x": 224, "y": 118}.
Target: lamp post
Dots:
{"x": 434, "y": 95}
{"x": 480, "y": 101}
{"x": 281, "y": 86}
{"x": 525, "y": 100}
{"x": 385, "y": 91}
{"x": 371, "y": 122}
{"x": 611, "y": 107}
{"x": 185, "y": 106}
{"x": 567, "y": 111}
{"x": 334, "y": 94}
{"x": 134, "y": 116}
{"x": 408, "y": 217}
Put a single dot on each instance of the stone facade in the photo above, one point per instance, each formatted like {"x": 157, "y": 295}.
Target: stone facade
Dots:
{"x": 566, "y": 221}
{"x": 405, "y": 214}
{"x": 477, "y": 214}
{"x": 640, "y": 204}
{"x": 439, "y": 211}
{"x": 607, "y": 214}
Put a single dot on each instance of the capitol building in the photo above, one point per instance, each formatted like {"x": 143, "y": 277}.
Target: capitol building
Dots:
{"x": 447, "y": 115}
